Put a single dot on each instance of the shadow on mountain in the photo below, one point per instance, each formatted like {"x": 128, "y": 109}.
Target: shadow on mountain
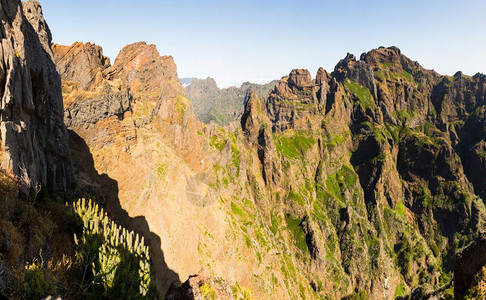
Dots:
{"x": 105, "y": 190}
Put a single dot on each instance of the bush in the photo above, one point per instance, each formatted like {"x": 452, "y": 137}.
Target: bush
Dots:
{"x": 115, "y": 262}
{"x": 36, "y": 284}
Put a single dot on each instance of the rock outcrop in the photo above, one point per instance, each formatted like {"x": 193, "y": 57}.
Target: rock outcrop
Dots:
{"x": 33, "y": 136}
{"x": 89, "y": 95}
{"x": 202, "y": 286}
{"x": 295, "y": 98}
{"x": 257, "y": 129}
{"x": 119, "y": 116}
{"x": 470, "y": 263}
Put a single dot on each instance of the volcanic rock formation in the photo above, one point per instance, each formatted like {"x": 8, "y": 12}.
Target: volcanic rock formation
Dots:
{"x": 33, "y": 136}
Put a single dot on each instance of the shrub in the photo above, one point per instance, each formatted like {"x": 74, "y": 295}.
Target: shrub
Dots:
{"x": 36, "y": 284}
{"x": 114, "y": 260}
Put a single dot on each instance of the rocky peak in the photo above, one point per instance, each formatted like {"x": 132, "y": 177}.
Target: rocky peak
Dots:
{"x": 82, "y": 64}
{"x": 391, "y": 59}
{"x": 33, "y": 13}
{"x": 300, "y": 78}
{"x": 142, "y": 69}
{"x": 295, "y": 97}
{"x": 169, "y": 68}
{"x": 322, "y": 83}
{"x": 321, "y": 76}
{"x": 357, "y": 71}
{"x": 89, "y": 96}
{"x": 139, "y": 66}
{"x": 210, "y": 82}
{"x": 343, "y": 65}
{"x": 250, "y": 120}
{"x": 222, "y": 106}
{"x": 381, "y": 55}
{"x": 202, "y": 88}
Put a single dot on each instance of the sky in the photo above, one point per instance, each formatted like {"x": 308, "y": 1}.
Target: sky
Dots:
{"x": 258, "y": 41}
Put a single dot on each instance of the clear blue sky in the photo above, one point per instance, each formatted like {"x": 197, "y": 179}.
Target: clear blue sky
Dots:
{"x": 236, "y": 41}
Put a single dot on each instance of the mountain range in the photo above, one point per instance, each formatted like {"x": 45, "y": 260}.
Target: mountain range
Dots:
{"x": 364, "y": 182}
{"x": 221, "y": 106}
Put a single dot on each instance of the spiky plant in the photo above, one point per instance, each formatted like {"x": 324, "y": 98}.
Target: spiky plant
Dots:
{"x": 104, "y": 245}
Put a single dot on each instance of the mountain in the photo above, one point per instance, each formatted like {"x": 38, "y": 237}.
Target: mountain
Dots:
{"x": 221, "y": 106}
{"x": 357, "y": 183}
{"x": 361, "y": 183}
{"x": 186, "y": 81}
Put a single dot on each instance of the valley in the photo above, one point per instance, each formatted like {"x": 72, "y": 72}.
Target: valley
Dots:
{"x": 361, "y": 182}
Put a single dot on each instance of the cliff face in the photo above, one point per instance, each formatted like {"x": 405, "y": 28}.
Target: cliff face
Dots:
{"x": 135, "y": 125}
{"x": 33, "y": 135}
{"x": 378, "y": 161}
{"x": 295, "y": 98}
{"x": 363, "y": 182}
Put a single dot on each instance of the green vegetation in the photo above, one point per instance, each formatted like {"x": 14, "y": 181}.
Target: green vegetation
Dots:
{"x": 334, "y": 141}
{"x": 116, "y": 262}
{"x": 237, "y": 210}
{"x": 295, "y": 226}
{"x": 362, "y": 295}
{"x": 235, "y": 157}
{"x": 36, "y": 284}
{"x": 161, "y": 169}
{"x": 296, "y": 197}
{"x": 394, "y": 131}
{"x": 362, "y": 92}
{"x": 345, "y": 178}
{"x": 383, "y": 72}
{"x": 217, "y": 142}
{"x": 181, "y": 106}
{"x": 404, "y": 115}
{"x": 207, "y": 291}
{"x": 28, "y": 229}
{"x": 275, "y": 222}
{"x": 295, "y": 145}
{"x": 400, "y": 290}
{"x": 241, "y": 293}
{"x": 400, "y": 209}
{"x": 478, "y": 288}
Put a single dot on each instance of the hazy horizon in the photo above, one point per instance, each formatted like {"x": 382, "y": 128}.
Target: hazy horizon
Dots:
{"x": 235, "y": 42}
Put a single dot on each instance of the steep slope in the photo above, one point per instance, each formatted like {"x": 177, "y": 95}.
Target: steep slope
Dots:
{"x": 141, "y": 133}
{"x": 33, "y": 136}
{"x": 221, "y": 106}
{"x": 386, "y": 153}
{"x": 364, "y": 182}
{"x": 35, "y": 162}
{"x": 469, "y": 273}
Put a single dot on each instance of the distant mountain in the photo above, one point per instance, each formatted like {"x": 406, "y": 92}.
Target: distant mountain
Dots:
{"x": 186, "y": 81}
{"x": 222, "y": 106}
